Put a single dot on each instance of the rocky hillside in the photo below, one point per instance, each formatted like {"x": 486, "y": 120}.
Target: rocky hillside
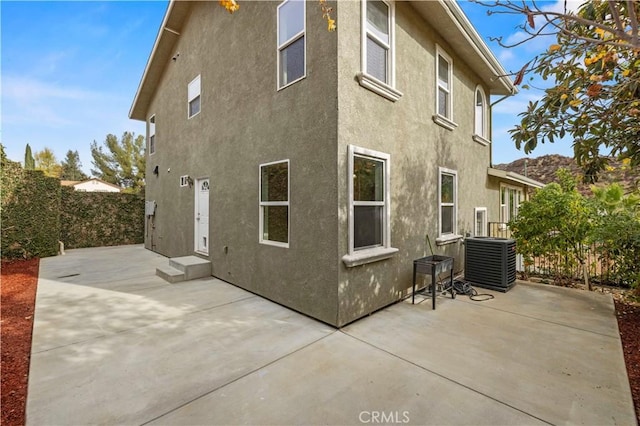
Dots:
{"x": 543, "y": 169}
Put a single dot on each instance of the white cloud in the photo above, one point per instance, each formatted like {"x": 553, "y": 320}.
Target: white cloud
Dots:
{"x": 540, "y": 43}
{"x": 25, "y": 90}
{"x": 51, "y": 62}
{"x": 559, "y": 6}
{"x": 506, "y": 55}
{"x": 517, "y": 103}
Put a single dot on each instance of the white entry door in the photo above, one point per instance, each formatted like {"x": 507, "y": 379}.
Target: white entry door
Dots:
{"x": 202, "y": 216}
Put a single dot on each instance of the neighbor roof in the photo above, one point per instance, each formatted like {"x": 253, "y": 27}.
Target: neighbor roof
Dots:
{"x": 444, "y": 15}
{"x": 96, "y": 180}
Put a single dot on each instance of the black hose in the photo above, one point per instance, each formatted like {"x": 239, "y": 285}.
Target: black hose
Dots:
{"x": 463, "y": 287}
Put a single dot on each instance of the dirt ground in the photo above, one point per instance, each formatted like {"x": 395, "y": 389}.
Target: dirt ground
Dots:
{"x": 17, "y": 304}
{"x": 629, "y": 325}
{"x": 18, "y": 281}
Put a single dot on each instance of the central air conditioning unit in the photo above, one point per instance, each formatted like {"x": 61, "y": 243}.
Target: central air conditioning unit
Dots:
{"x": 490, "y": 262}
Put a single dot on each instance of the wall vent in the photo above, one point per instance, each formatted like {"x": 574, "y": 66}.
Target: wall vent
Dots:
{"x": 490, "y": 262}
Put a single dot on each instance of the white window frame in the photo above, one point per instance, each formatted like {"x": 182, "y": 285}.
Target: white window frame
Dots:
{"x": 480, "y": 117}
{"x": 482, "y": 232}
{"x": 287, "y": 43}
{"x": 445, "y": 121}
{"x": 384, "y": 251}
{"x": 386, "y": 89}
{"x": 264, "y": 204}
{"x": 505, "y": 209}
{"x": 449, "y": 237}
{"x": 193, "y": 94}
{"x": 152, "y": 135}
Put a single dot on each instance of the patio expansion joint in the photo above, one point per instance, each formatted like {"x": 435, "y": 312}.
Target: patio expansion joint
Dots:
{"x": 217, "y": 388}
{"x": 133, "y": 329}
{"x": 445, "y": 377}
{"x": 610, "y": 336}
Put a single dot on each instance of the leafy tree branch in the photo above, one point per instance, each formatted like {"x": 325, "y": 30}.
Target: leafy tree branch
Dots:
{"x": 594, "y": 68}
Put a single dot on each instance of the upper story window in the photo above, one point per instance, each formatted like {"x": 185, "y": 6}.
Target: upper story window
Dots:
{"x": 152, "y": 134}
{"x": 378, "y": 56}
{"x": 193, "y": 97}
{"x": 444, "y": 89}
{"x": 378, "y": 40}
{"x": 480, "y": 130}
{"x": 448, "y": 205}
{"x": 274, "y": 203}
{"x": 291, "y": 42}
{"x": 369, "y": 207}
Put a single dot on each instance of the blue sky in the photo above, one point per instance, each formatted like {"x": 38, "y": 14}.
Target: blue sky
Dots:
{"x": 70, "y": 70}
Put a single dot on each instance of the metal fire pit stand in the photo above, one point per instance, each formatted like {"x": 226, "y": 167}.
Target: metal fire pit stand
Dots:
{"x": 434, "y": 265}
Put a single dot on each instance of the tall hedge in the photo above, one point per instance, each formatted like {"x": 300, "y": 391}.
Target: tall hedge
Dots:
{"x": 97, "y": 219}
{"x": 30, "y": 212}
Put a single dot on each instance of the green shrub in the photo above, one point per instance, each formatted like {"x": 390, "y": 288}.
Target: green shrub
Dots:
{"x": 36, "y": 213}
{"x": 618, "y": 233}
{"x": 98, "y": 219}
{"x": 30, "y": 216}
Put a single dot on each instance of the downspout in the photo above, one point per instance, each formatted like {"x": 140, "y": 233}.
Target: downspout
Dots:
{"x": 491, "y": 123}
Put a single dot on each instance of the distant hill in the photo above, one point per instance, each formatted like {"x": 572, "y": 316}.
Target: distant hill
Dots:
{"x": 543, "y": 169}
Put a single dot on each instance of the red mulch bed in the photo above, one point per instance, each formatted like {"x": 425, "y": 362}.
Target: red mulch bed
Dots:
{"x": 19, "y": 280}
{"x": 629, "y": 325}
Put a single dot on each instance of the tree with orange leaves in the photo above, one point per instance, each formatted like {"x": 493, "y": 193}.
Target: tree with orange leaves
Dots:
{"x": 594, "y": 66}
{"x": 232, "y": 6}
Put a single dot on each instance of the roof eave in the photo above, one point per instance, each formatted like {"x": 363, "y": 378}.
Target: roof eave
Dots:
{"x": 514, "y": 177}
{"x": 468, "y": 42}
{"x": 166, "y": 38}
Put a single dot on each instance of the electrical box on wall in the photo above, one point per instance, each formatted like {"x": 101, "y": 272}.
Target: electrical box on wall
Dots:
{"x": 184, "y": 181}
{"x": 150, "y": 208}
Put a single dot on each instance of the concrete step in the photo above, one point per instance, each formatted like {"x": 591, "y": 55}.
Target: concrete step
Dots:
{"x": 170, "y": 274}
{"x": 192, "y": 266}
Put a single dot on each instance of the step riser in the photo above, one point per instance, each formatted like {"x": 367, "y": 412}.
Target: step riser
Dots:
{"x": 184, "y": 269}
{"x": 170, "y": 277}
{"x": 197, "y": 271}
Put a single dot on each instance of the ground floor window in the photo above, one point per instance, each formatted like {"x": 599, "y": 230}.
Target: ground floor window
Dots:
{"x": 480, "y": 226}
{"x": 274, "y": 203}
{"x": 369, "y": 199}
{"x": 448, "y": 199}
{"x": 510, "y": 199}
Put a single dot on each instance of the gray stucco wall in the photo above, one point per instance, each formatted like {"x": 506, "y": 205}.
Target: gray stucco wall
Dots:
{"x": 417, "y": 146}
{"x": 245, "y": 122}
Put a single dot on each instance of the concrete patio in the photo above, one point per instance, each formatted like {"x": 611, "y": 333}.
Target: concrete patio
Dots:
{"x": 115, "y": 344}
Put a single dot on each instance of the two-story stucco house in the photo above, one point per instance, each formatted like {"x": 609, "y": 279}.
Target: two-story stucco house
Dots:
{"x": 309, "y": 166}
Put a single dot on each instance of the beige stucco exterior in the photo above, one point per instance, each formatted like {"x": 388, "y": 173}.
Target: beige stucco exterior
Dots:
{"x": 246, "y": 121}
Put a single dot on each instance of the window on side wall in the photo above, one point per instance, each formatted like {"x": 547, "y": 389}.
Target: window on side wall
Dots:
{"x": 378, "y": 40}
{"x": 448, "y": 188}
{"x": 378, "y": 57}
{"x": 291, "y": 42}
{"x": 369, "y": 206}
{"x": 444, "y": 89}
{"x": 510, "y": 199}
{"x": 152, "y": 135}
{"x": 480, "y": 215}
{"x": 193, "y": 97}
{"x": 274, "y": 203}
{"x": 480, "y": 129}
